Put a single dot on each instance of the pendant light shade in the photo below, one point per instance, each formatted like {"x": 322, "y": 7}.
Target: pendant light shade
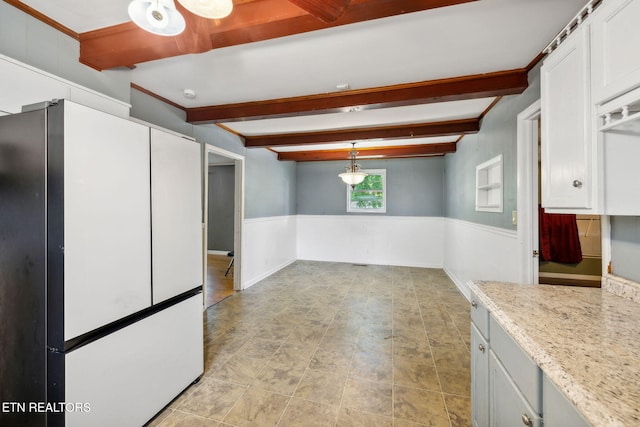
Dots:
{"x": 353, "y": 178}
{"x": 212, "y": 9}
{"x": 353, "y": 175}
{"x": 159, "y": 17}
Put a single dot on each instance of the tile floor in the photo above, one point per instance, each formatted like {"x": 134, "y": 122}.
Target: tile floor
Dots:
{"x": 330, "y": 344}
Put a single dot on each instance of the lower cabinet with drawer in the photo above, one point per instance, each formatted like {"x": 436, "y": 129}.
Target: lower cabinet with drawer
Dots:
{"x": 508, "y": 389}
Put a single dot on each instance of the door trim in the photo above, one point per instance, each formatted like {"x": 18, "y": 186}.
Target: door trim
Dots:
{"x": 527, "y": 185}
{"x": 238, "y": 220}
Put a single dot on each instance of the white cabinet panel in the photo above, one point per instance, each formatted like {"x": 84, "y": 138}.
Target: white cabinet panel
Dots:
{"x": 616, "y": 37}
{"x": 568, "y": 175}
{"x": 130, "y": 375}
{"x": 558, "y": 410}
{"x": 479, "y": 379}
{"x": 177, "y": 215}
{"x": 107, "y": 261}
{"x": 508, "y": 406}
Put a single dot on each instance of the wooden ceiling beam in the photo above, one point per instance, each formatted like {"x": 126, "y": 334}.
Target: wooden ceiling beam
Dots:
{"x": 456, "y": 127}
{"x": 421, "y": 150}
{"x": 452, "y": 89}
{"x": 325, "y": 10}
{"x": 125, "y": 45}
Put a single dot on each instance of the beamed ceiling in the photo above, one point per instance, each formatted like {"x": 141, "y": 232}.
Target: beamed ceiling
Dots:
{"x": 306, "y": 78}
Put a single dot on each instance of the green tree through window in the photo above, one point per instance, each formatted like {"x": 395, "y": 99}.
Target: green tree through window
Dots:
{"x": 370, "y": 194}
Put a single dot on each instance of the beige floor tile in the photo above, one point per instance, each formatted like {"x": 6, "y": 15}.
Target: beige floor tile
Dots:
{"x": 453, "y": 357}
{"x": 322, "y": 387}
{"x": 259, "y": 408}
{"x": 351, "y": 418}
{"x": 302, "y": 330}
{"x": 183, "y": 419}
{"x": 158, "y": 418}
{"x": 240, "y": 369}
{"x": 420, "y": 406}
{"x": 330, "y": 361}
{"x": 455, "y": 381}
{"x": 279, "y": 378}
{"x": 368, "y": 396}
{"x": 259, "y": 348}
{"x": 459, "y": 409}
{"x": 293, "y": 355}
{"x": 420, "y": 354}
{"x": 212, "y": 398}
{"x": 372, "y": 366}
{"x": 302, "y": 413}
{"x": 415, "y": 375}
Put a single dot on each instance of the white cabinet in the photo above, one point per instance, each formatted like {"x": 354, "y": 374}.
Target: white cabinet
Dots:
{"x": 569, "y": 171}
{"x": 479, "y": 379}
{"x": 558, "y": 410}
{"x": 177, "y": 215}
{"x": 107, "y": 230}
{"x": 508, "y": 406}
{"x": 615, "y": 38}
{"x": 507, "y": 386}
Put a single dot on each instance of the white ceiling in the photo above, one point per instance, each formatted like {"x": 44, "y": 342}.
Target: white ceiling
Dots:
{"x": 470, "y": 38}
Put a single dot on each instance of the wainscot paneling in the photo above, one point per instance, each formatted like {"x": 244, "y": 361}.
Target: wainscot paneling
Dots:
{"x": 480, "y": 252}
{"x": 366, "y": 239}
{"x": 269, "y": 245}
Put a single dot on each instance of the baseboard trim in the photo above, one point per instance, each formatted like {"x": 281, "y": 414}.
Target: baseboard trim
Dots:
{"x": 266, "y": 274}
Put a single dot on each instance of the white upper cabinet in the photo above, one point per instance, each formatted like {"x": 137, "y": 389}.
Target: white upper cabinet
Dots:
{"x": 616, "y": 41}
{"x": 569, "y": 178}
{"x": 176, "y": 215}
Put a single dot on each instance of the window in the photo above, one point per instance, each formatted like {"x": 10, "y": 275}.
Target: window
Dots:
{"x": 370, "y": 195}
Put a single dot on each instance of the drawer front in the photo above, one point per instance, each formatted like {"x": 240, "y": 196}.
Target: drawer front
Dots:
{"x": 480, "y": 316}
{"x": 524, "y": 371}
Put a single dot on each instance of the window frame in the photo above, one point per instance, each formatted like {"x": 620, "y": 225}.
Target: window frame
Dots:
{"x": 383, "y": 209}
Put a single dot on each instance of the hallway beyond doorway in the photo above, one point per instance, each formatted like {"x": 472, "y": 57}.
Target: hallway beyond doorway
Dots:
{"x": 218, "y": 285}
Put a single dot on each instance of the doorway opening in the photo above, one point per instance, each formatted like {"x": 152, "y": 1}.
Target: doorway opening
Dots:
{"x": 223, "y": 212}
{"x": 537, "y": 265}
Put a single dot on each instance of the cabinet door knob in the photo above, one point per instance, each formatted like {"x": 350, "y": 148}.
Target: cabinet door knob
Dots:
{"x": 474, "y": 304}
{"x": 577, "y": 183}
{"x": 526, "y": 420}
{"x": 481, "y": 347}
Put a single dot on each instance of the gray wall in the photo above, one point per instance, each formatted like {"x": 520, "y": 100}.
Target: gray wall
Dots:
{"x": 28, "y": 40}
{"x": 221, "y": 208}
{"x": 625, "y": 246}
{"x": 414, "y": 187}
{"x": 498, "y": 135}
{"x": 270, "y": 185}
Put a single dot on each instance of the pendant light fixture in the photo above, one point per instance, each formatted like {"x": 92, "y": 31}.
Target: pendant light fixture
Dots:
{"x": 212, "y": 9}
{"x": 353, "y": 175}
{"x": 157, "y": 16}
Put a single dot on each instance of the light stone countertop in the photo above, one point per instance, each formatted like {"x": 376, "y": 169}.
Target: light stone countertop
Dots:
{"x": 586, "y": 340}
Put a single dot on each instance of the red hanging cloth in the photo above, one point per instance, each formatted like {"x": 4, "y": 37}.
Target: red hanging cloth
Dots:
{"x": 559, "y": 239}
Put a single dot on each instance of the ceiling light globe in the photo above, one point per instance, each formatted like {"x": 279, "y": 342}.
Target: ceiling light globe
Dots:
{"x": 158, "y": 17}
{"x": 211, "y": 9}
{"x": 352, "y": 178}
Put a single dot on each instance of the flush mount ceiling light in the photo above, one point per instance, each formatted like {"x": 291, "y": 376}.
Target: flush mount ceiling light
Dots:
{"x": 353, "y": 175}
{"x": 157, "y": 16}
{"x": 212, "y": 9}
